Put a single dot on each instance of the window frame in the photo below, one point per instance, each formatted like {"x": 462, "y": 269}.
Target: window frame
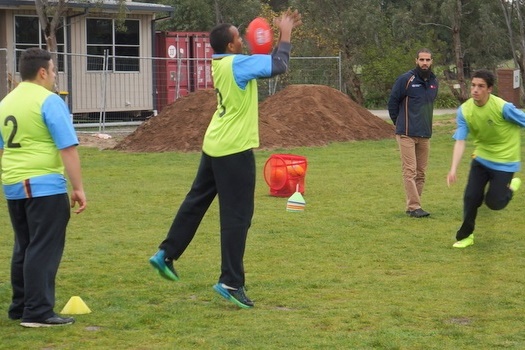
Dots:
{"x": 61, "y": 46}
{"x": 117, "y": 63}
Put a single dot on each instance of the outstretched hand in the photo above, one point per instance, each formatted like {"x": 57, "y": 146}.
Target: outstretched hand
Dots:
{"x": 296, "y": 16}
{"x": 288, "y": 17}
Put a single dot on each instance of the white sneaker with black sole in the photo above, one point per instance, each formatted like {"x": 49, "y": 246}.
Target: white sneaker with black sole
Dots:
{"x": 49, "y": 322}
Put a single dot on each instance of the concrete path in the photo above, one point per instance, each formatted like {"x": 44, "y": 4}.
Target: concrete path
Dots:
{"x": 383, "y": 113}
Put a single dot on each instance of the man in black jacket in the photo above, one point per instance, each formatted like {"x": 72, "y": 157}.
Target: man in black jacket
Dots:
{"x": 411, "y": 106}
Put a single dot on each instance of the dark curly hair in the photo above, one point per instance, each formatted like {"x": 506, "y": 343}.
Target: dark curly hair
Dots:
{"x": 220, "y": 37}
{"x": 486, "y": 75}
{"x": 31, "y": 61}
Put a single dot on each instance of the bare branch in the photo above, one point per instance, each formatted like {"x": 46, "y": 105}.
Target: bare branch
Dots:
{"x": 436, "y": 25}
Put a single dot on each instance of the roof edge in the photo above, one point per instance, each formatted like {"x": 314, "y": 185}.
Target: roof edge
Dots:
{"x": 111, "y": 5}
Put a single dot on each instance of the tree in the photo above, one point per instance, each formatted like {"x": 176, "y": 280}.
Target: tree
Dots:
{"x": 393, "y": 52}
{"x": 202, "y": 15}
{"x": 377, "y": 40}
{"x": 50, "y": 15}
{"x": 278, "y": 5}
{"x": 456, "y": 8}
{"x": 346, "y": 27}
{"x": 513, "y": 11}
{"x": 469, "y": 27}
{"x": 190, "y": 15}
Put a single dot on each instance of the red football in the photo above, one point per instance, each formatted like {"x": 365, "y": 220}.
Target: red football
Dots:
{"x": 259, "y": 36}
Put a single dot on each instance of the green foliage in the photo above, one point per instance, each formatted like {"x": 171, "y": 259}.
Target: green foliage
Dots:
{"x": 485, "y": 36}
{"x": 189, "y": 15}
{"x": 351, "y": 272}
{"x": 377, "y": 39}
{"x": 202, "y": 15}
{"x": 385, "y": 62}
{"x": 445, "y": 99}
{"x": 380, "y": 71}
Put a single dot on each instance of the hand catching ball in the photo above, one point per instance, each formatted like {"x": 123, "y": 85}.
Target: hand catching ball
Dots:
{"x": 259, "y": 36}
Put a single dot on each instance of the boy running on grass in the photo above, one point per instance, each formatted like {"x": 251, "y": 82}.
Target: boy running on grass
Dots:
{"x": 494, "y": 125}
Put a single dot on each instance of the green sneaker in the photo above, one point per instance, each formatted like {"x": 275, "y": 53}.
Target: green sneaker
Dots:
{"x": 164, "y": 266}
{"x": 465, "y": 242}
{"x": 515, "y": 184}
{"x": 235, "y": 295}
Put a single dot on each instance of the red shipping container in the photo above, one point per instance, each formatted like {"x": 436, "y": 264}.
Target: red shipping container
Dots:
{"x": 185, "y": 66}
{"x": 201, "y": 60}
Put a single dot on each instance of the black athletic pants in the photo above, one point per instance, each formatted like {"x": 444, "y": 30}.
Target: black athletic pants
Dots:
{"x": 496, "y": 198}
{"x": 232, "y": 178}
{"x": 40, "y": 231}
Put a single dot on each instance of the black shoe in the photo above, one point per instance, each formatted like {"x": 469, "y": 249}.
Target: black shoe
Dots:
{"x": 418, "y": 213}
{"x": 50, "y": 322}
{"x": 14, "y": 315}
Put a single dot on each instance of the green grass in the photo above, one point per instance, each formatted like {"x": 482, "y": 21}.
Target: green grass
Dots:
{"x": 351, "y": 272}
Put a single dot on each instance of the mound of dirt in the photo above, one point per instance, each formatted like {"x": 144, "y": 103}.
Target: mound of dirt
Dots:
{"x": 299, "y": 115}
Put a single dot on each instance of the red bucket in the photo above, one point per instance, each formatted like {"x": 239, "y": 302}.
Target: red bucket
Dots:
{"x": 283, "y": 172}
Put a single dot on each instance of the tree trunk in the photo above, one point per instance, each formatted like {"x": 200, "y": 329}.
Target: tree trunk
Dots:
{"x": 354, "y": 88}
{"x": 507, "y": 13}
{"x": 462, "y": 94}
{"x": 521, "y": 46}
{"x": 49, "y": 27}
{"x": 353, "y": 82}
{"x": 218, "y": 16}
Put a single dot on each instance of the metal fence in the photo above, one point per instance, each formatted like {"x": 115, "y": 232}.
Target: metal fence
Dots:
{"x": 105, "y": 90}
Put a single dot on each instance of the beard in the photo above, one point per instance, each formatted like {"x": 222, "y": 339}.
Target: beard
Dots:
{"x": 424, "y": 74}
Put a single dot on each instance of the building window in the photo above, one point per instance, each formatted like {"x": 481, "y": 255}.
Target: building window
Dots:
{"x": 28, "y": 34}
{"x": 122, "y": 45}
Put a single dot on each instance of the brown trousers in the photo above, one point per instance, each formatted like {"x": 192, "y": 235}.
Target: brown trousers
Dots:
{"x": 414, "y": 153}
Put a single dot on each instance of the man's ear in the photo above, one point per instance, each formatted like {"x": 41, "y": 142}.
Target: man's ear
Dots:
{"x": 42, "y": 73}
{"x": 230, "y": 47}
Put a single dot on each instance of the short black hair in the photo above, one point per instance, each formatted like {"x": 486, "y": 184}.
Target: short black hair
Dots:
{"x": 425, "y": 50}
{"x": 220, "y": 37}
{"x": 486, "y": 75}
{"x": 30, "y": 62}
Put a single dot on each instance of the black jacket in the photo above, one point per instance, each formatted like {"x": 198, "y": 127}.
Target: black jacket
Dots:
{"x": 411, "y": 104}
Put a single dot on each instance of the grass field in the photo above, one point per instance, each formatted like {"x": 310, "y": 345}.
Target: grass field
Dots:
{"x": 351, "y": 272}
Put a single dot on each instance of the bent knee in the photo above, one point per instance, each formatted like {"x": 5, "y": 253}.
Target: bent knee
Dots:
{"x": 496, "y": 205}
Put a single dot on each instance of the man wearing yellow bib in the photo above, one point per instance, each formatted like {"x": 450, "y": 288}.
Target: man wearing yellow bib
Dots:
{"x": 494, "y": 125}
{"x": 38, "y": 145}
{"x": 227, "y": 166}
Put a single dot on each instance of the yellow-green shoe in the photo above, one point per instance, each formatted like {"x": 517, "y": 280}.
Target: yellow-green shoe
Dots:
{"x": 515, "y": 184}
{"x": 465, "y": 242}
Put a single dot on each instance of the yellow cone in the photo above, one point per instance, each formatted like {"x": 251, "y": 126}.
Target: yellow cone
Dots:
{"x": 75, "y": 306}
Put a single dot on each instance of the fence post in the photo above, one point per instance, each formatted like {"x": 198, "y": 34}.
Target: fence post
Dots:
{"x": 340, "y": 72}
{"x": 102, "y": 118}
{"x": 5, "y": 75}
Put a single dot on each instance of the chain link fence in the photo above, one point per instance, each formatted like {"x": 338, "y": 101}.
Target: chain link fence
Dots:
{"x": 109, "y": 90}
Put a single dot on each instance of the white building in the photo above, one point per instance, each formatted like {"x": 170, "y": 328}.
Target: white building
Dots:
{"x": 90, "y": 30}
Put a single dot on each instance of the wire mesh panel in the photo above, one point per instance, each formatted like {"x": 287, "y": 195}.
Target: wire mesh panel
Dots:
{"x": 7, "y": 82}
{"x": 115, "y": 89}
{"x": 304, "y": 70}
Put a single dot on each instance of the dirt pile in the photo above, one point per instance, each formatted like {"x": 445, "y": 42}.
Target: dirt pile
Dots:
{"x": 299, "y": 115}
